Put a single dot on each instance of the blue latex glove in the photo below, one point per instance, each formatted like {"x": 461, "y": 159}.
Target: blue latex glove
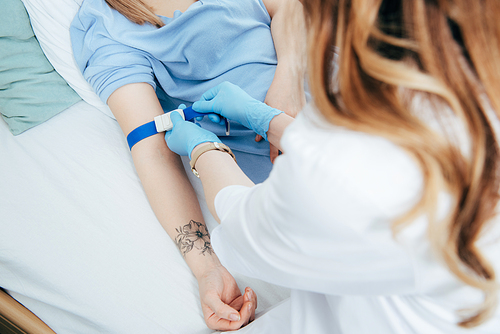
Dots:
{"x": 233, "y": 103}
{"x": 185, "y": 136}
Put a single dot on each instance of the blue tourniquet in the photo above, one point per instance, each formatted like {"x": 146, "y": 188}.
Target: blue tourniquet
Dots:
{"x": 140, "y": 133}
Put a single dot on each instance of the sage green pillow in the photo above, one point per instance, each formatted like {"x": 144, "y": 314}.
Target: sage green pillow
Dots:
{"x": 31, "y": 91}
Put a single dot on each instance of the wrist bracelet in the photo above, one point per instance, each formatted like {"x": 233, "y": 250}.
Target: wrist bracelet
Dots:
{"x": 208, "y": 146}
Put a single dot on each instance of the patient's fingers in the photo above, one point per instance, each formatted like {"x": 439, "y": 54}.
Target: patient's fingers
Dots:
{"x": 249, "y": 304}
{"x": 247, "y": 313}
{"x": 252, "y": 296}
{"x": 273, "y": 152}
{"x": 219, "y": 312}
{"x": 221, "y": 309}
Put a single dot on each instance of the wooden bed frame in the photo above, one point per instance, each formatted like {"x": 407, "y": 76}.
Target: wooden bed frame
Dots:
{"x": 17, "y": 319}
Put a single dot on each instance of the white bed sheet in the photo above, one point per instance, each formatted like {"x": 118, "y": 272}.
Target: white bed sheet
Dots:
{"x": 80, "y": 245}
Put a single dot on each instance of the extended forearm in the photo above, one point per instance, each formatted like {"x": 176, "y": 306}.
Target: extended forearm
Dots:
{"x": 163, "y": 177}
{"x": 175, "y": 204}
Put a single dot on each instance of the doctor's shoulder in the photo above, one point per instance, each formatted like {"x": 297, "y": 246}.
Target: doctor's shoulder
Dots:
{"x": 332, "y": 159}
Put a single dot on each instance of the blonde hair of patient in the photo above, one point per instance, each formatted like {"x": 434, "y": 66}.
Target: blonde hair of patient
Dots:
{"x": 136, "y": 11}
{"x": 383, "y": 60}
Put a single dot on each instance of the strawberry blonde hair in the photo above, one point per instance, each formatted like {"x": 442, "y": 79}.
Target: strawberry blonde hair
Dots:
{"x": 136, "y": 11}
{"x": 449, "y": 51}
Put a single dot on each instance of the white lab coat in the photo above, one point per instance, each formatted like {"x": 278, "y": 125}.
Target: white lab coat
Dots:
{"x": 320, "y": 225}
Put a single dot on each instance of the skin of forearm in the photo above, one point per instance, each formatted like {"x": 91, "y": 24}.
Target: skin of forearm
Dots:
{"x": 163, "y": 178}
{"x": 174, "y": 203}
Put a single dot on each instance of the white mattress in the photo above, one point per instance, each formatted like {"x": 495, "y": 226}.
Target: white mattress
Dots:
{"x": 80, "y": 245}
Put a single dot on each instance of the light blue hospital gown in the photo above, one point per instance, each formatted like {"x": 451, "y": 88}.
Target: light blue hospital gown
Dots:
{"x": 211, "y": 42}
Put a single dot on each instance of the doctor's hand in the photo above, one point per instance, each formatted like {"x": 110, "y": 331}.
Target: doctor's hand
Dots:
{"x": 233, "y": 103}
{"x": 185, "y": 136}
{"x": 224, "y": 307}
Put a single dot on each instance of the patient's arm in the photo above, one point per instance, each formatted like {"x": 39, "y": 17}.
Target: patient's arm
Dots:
{"x": 175, "y": 204}
{"x": 286, "y": 92}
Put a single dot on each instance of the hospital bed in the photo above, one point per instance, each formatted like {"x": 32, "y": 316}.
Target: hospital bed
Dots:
{"x": 79, "y": 239}
{"x": 16, "y": 319}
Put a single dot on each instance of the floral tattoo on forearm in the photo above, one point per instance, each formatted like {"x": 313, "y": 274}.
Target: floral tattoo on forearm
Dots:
{"x": 193, "y": 235}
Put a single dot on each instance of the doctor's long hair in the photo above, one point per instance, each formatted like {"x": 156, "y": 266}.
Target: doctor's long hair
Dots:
{"x": 448, "y": 51}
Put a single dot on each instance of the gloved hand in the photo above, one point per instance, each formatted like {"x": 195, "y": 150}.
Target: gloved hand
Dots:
{"x": 185, "y": 136}
{"x": 233, "y": 103}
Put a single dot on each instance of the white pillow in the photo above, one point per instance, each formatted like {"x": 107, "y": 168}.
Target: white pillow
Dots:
{"x": 51, "y": 20}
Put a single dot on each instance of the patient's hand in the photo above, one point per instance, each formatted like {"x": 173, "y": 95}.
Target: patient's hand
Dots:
{"x": 223, "y": 305}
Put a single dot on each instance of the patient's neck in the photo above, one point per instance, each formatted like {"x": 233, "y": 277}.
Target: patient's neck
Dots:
{"x": 168, "y": 7}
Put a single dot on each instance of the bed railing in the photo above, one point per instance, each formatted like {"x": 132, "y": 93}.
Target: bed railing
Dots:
{"x": 17, "y": 319}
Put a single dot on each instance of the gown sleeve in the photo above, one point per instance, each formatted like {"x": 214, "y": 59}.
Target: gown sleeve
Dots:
{"x": 322, "y": 220}
{"x": 105, "y": 63}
